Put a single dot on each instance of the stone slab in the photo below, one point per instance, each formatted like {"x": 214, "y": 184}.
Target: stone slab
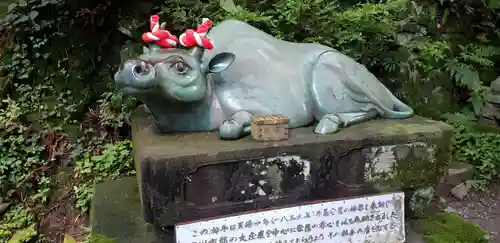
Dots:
{"x": 191, "y": 176}
{"x": 116, "y": 214}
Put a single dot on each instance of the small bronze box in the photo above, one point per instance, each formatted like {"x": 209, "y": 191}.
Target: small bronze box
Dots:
{"x": 270, "y": 128}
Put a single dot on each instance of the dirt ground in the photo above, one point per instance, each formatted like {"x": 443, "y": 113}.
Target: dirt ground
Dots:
{"x": 61, "y": 217}
{"x": 482, "y": 208}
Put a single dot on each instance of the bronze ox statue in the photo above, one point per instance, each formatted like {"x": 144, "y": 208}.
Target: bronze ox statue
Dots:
{"x": 250, "y": 73}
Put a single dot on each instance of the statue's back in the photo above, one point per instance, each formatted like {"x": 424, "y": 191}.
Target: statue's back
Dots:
{"x": 269, "y": 76}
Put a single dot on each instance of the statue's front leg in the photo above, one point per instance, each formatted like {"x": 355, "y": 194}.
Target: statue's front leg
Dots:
{"x": 237, "y": 126}
{"x": 331, "y": 123}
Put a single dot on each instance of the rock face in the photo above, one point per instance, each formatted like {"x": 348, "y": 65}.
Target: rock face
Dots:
{"x": 457, "y": 181}
{"x": 461, "y": 190}
{"x": 491, "y": 111}
{"x": 193, "y": 176}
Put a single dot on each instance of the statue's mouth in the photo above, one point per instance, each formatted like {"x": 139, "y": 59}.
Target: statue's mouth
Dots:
{"x": 137, "y": 90}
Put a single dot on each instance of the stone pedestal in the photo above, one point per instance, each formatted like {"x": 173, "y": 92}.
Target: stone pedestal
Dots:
{"x": 116, "y": 216}
{"x": 186, "y": 177}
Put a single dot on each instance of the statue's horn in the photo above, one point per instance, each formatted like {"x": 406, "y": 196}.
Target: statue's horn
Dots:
{"x": 197, "y": 52}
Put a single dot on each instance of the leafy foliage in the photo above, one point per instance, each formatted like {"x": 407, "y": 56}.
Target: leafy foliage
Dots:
{"x": 53, "y": 80}
{"x": 115, "y": 161}
{"x": 14, "y": 219}
{"x": 480, "y": 148}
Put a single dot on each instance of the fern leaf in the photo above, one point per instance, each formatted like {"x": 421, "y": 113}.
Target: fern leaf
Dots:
{"x": 464, "y": 75}
{"x": 479, "y": 54}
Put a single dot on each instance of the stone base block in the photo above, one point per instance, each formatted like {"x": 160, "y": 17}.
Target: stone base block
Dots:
{"x": 185, "y": 177}
{"x": 116, "y": 213}
{"x": 116, "y": 216}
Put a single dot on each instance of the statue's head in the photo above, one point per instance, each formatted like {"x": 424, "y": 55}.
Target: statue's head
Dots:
{"x": 175, "y": 73}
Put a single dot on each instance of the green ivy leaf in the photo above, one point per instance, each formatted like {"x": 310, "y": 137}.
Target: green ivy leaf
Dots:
{"x": 33, "y": 14}
{"x": 24, "y": 18}
{"x": 23, "y": 3}
{"x": 228, "y": 5}
{"x": 11, "y": 7}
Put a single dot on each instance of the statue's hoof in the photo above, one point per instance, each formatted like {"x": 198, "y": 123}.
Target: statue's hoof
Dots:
{"x": 230, "y": 129}
{"x": 329, "y": 124}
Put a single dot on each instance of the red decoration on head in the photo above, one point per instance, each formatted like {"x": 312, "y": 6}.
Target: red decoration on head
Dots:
{"x": 190, "y": 38}
{"x": 161, "y": 37}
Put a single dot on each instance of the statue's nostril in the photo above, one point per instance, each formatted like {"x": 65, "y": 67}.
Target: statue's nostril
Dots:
{"x": 138, "y": 69}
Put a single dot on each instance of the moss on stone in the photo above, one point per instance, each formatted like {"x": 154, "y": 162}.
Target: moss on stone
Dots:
{"x": 461, "y": 165}
{"x": 446, "y": 227}
{"x": 116, "y": 213}
{"x": 99, "y": 238}
{"x": 419, "y": 163}
{"x": 425, "y": 161}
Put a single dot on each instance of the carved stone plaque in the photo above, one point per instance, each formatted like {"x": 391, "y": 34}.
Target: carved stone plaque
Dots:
{"x": 374, "y": 219}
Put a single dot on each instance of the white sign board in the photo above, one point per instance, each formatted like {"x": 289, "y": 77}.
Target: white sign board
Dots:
{"x": 374, "y": 219}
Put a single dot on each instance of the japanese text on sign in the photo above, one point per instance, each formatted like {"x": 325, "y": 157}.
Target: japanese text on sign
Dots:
{"x": 377, "y": 218}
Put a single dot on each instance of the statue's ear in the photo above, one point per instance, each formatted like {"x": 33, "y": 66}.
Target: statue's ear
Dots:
{"x": 221, "y": 62}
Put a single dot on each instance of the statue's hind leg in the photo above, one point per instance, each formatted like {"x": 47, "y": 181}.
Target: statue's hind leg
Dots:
{"x": 335, "y": 104}
{"x": 237, "y": 126}
{"x": 332, "y": 122}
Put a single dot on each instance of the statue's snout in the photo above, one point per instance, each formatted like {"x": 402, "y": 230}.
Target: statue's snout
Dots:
{"x": 136, "y": 74}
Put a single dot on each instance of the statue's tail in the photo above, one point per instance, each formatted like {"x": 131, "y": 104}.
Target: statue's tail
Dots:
{"x": 390, "y": 106}
{"x": 399, "y": 110}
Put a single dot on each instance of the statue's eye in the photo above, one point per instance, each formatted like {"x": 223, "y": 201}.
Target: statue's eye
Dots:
{"x": 180, "y": 67}
{"x": 141, "y": 68}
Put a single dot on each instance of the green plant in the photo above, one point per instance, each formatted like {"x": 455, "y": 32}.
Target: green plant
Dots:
{"x": 115, "y": 160}
{"x": 480, "y": 149}
{"x": 23, "y": 169}
{"x": 115, "y": 109}
{"x": 460, "y": 62}
{"x": 51, "y": 75}
{"x": 17, "y": 223}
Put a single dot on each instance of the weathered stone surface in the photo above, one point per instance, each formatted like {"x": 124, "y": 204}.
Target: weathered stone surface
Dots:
{"x": 458, "y": 173}
{"x": 461, "y": 190}
{"x": 3, "y": 207}
{"x": 493, "y": 99}
{"x": 421, "y": 199}
{"x": 495, "y": 85}
{"x": 116, "y": 213}
{"x": 414, "y": 167}
{"x": 191, "y": 176}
